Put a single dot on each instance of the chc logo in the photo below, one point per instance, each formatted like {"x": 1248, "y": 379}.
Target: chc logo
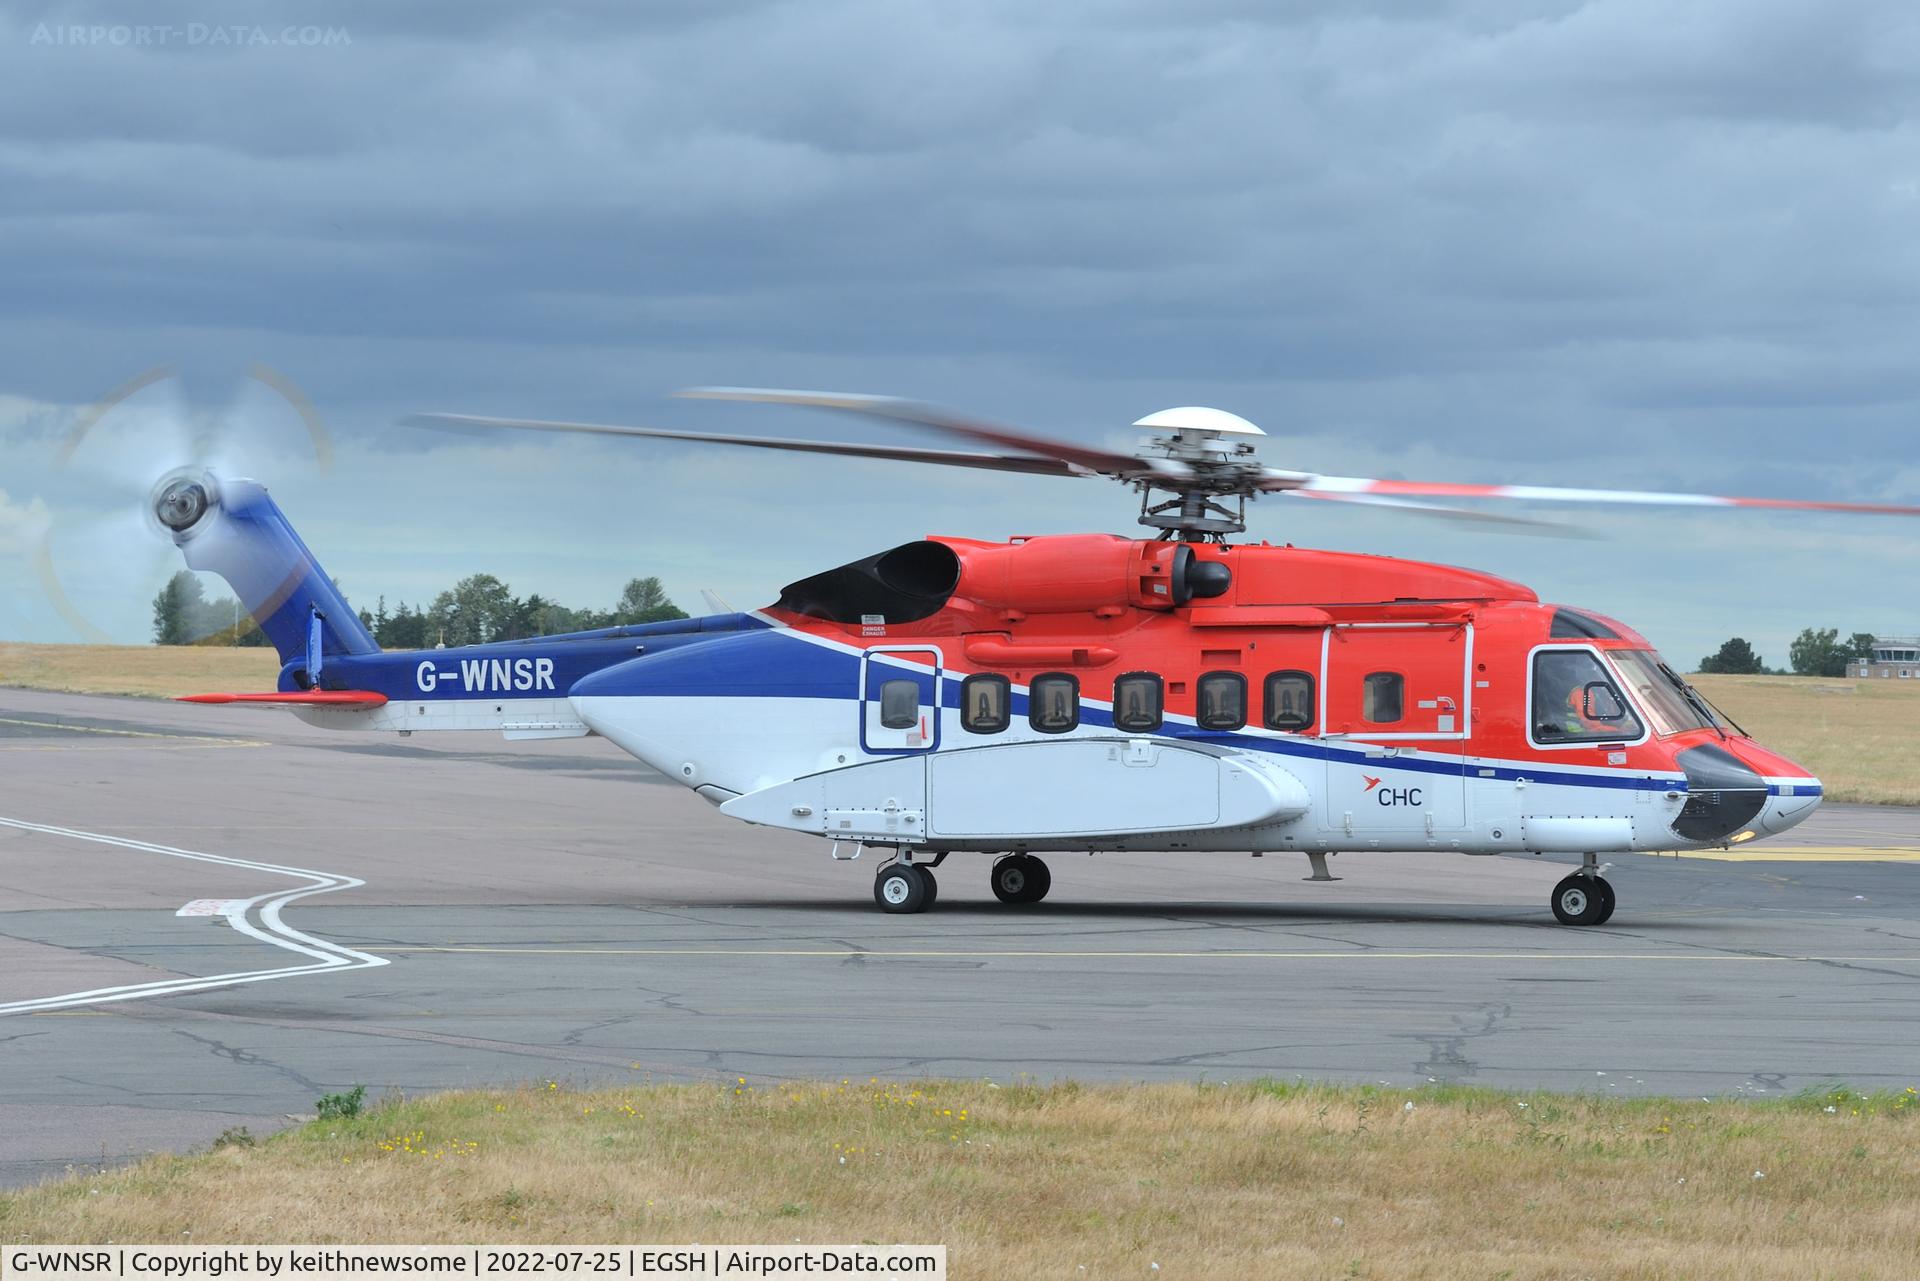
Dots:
{"x": 1391, "y": 796}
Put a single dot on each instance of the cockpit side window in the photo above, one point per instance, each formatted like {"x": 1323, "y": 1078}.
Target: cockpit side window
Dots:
{"x": 1576, "y": 700}
{"x": 1674, "y": 705}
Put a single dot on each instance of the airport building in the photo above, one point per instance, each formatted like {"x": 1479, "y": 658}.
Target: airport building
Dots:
{"x": 1894, "y": 657}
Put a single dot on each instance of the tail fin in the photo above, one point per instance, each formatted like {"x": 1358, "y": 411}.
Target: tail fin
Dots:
{"x": 233, "y": 529}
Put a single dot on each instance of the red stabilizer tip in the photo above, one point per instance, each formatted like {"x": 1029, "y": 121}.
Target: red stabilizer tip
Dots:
{"x": 307, "y": 698}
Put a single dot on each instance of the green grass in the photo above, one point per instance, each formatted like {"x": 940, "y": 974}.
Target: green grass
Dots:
{"x": 1270, "y": 1178}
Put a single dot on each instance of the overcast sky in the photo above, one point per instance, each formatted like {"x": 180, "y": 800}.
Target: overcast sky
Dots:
{"x": 1625, "y": 244}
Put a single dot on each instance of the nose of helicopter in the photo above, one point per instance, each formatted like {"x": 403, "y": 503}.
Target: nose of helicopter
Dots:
{"x": 1739, "y": 790}
{"x": 1791, "y": 804}
{"x": 1793, "y": 793}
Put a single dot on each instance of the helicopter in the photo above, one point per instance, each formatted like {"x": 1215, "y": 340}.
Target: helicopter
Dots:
{"x": 1178, "y": 692}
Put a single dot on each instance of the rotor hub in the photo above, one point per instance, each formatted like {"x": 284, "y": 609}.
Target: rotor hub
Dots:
{"x": 1212, "y": 457}
{"x": 180, "y": 502}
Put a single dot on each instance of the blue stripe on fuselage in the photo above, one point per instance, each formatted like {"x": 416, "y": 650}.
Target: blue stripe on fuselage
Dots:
{"x": 533, "y": 668}
{"x": 779, "y": 663}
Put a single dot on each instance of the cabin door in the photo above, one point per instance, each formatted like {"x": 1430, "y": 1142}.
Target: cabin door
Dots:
{"x": 1398, "y": 712}
{"x": 899, "y": 700}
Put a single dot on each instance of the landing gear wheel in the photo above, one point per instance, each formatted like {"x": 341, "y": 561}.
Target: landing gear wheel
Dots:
{"x": 1606, "y": 892}
{"x": 1021, "y": 878}
{"x": 933, "y": 886}
{"x": 1582, "y": 900}
{"x": 902, "y": 888}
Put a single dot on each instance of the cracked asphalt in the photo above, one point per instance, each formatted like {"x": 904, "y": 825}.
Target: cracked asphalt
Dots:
{"x": 556, "y": 911}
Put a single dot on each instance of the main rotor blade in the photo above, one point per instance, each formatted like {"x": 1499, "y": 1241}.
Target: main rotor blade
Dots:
{"x": 1361, "y": 485}
{"x": 467, "y": 423}
{"x": 1512, "y": 524}
{"x": 894, "y": 409}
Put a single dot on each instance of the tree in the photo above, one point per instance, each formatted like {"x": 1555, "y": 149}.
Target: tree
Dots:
{"x": 1860, "y": 645}
{"x": 222, "y": 622}
{"x": 477, "y": 610}
{"x": 1818, "y": 652}
{"x": 538, "y": 616}
{"x": 405, "y": 628}
{"x": 644, "y": 600}
{"x": 182, "y": 615}
{"x": 176, "y": 609}
{"x": 1736, "y": 657}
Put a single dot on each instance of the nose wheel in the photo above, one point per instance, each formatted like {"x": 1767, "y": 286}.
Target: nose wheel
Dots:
{"x": 1021, "y": 878}
{"x": 1583, "y": 900}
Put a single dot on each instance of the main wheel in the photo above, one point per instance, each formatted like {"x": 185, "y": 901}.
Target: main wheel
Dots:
{"x": 933, "y": 886}
{"x": 1606, "y": 891}
{"x": 902, "y": 888}
{"x": 1582, "y": 900}
{"x": 1039, "y": 879}
{"x": 1021, "y": 878}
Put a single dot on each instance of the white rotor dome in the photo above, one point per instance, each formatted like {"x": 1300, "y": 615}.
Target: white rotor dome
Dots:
{"x": 1199, "y": 418}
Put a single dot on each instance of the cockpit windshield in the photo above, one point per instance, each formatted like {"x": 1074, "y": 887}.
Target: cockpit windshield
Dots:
{"x": 1673, "y": 704}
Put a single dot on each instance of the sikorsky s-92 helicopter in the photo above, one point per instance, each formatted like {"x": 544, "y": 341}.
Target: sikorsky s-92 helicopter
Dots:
{"x": 1180, "y": 692}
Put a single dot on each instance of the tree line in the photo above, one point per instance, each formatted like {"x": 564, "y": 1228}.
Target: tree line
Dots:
{"x": 475, "y": 610}
{"x": 1816, "y": 651}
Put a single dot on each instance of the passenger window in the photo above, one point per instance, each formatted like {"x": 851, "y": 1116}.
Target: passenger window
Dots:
{"x": 1138, "y": 702}
{"x": 1053, "y": 703}
{"x": 1221, "y": 701}
{"x": 1383, "y": 700}
{"x": 1575, "y": 700}
{"x": 899, "y": 704}
{"x": 984, "y": 701}
{"x": 1289, "y": 700}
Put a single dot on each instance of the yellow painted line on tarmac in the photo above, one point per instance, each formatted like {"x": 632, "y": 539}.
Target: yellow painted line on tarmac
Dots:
{"x": 990, "y": 954}
{"x": 1812, "y": 854}
{"x": 99, "y": 729}
{"x": 196, "y": 740}
{"x": 210, "y": 745}
{"x": 623, "y": 829}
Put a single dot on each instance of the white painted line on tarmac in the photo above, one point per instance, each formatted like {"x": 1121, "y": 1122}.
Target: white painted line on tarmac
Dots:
{"x": 324, "y": 956}
{"x": 212, "y": 907}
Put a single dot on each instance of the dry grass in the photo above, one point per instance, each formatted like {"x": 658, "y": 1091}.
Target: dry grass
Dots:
{"x": 1229, "y": 1181}
{"x": 1860, "y": 737}
{"x": 150, "y": 670}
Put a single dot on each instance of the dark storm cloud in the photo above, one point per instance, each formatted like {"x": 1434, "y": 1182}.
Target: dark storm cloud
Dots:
{"x": 1511, "y": 232}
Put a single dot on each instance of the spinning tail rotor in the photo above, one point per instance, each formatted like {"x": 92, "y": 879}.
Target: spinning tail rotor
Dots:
{"x": 116, "y": 533}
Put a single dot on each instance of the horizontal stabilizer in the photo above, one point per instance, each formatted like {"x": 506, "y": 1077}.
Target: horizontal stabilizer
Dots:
{"x": 306, "y": 698}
